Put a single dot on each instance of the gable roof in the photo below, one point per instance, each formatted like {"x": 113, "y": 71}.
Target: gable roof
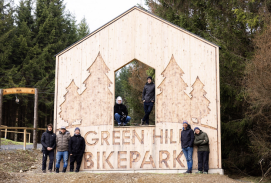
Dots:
{"x": 125, "y": 13}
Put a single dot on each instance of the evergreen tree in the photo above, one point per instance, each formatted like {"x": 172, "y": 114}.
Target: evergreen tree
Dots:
{"x": 83, "y": 28}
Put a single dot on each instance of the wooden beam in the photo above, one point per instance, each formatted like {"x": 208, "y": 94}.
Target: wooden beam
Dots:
{"x": 35, "y": 119}
{"x": 22, "y": 128}
{"x": 24, "y": 139}
{"x": 9, "y": 91}
{"x": 1, "y": 106}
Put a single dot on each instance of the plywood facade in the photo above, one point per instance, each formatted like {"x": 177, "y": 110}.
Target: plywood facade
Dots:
{"x": 187, "y": 88}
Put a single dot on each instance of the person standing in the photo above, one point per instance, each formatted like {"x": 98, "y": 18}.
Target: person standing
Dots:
{"x": 202, "y": 141}
{"x": 48, "y": 141}
{"x": 121, "y": 112}
{"x": 148, "y": 97}
{"x": 76, "y": 149}
{"x": 187, "y": 139}
{"x": 62, "y": 144}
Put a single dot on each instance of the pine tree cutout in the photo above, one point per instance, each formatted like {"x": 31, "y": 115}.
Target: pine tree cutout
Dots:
{"x": 96, "y": 100}
{"x": 95, "y": 105}
{"x": 173, "y": 103}
{"x": 199, "y": 103}
{"x": 71, "y": 105}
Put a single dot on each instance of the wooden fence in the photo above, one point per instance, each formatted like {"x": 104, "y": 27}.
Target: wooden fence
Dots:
{"x": 24, "y": 132}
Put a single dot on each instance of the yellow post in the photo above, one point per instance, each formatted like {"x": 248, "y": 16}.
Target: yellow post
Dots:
{"x": 25, "y": 139}
{"x": 6, "y": 131}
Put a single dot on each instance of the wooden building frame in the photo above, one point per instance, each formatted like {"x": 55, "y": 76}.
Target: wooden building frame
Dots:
{"x": 9, "y": 91}
{"x": 187, "y": 75}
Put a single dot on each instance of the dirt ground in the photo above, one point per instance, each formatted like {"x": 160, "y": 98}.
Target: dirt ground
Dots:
{"x": 12, "y": 162}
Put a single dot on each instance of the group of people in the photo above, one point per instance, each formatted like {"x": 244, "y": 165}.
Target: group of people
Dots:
{"x": 75, "y": 146}
{"x": 148, "y": 98}
{"x": 199, "y": 139}
{"x": 66, "y": 146}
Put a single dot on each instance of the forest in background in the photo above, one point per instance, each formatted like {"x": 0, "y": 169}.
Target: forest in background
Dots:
{"x": 32, "y": 33}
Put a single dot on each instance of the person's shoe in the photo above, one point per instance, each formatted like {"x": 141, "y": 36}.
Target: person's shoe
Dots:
{"x": 57, "y": 170}
{"x": 76, "y": 171}
{"x": 142, "y": 122}
{"x": 199, "y": 172}
{"x": 43, "y": 171}
{"x": 118, "y": 124}
{"x": 64, "y": 170}
{"x": 71, "y": 170}
{"x": 188, "y": 171}
{"x": 147, "y": 124}
{"x": 205, "y": 172}
{"x": 50, "y": 170}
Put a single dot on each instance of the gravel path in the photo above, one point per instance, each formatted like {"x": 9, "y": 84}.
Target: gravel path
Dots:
{"x": 12, "y": 147}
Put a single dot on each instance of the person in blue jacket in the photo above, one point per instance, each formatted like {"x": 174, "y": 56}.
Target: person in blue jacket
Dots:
{"x": 187, "y": 140}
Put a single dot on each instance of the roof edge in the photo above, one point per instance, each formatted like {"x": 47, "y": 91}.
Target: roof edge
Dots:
{"x": 121, "y": 15}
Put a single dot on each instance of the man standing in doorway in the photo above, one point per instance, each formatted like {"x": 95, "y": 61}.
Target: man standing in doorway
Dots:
{"x": 187, "y": 140}
{"x": 76, "y": 149}
{"x": 48, "y": 141}
{"x": 148, "y": 97}
{"x": 62, "y": 144}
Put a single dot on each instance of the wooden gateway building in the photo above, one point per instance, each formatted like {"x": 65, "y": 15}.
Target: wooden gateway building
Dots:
{"x": 187, "y": 88}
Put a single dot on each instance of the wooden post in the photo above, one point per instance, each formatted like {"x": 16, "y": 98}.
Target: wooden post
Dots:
{"x": 35, "y": 119}
{"x": 29, "y": 137}
{"x": 25, "y": 139}
{"x": 6, "y": 132}
{"x": 1, "y": 106}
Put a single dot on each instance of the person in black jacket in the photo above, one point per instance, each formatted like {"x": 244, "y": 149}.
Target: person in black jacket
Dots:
{"x": 121, "y": 112}
{"x": 48, "y": 141}
{"x": 76, "y": 149}
{"x": 148, "y": 97}
{"x": 187, "y": 140}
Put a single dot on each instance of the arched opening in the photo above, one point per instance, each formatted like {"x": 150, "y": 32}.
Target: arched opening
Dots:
{"x": 130, "y": 81}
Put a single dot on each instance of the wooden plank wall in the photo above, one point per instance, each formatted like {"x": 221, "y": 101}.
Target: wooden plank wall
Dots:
{"x": 140, "y": 36}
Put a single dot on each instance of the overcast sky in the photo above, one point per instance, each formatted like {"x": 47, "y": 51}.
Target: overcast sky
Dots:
{"x": 98, "y": 12}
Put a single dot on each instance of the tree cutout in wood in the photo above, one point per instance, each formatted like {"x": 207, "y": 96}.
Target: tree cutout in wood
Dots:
{"x": 94, "y": 105}
{"x": 71, "y": 103}
{"x": 96, "y": 100}
{"x": 199, "y": 103}
{"x": 173, "y": 104}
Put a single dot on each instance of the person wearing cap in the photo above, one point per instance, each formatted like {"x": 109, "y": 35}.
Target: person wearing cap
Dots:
{"x": 76, "y": 149}
{"x": 148, "y": 97}
{"x": 121, "y": 112}
{"x": 187, "y": 140}
{"x": 48, "y": 141}
{"x": 62, "y": 144}
{"x": 202, "y": 141}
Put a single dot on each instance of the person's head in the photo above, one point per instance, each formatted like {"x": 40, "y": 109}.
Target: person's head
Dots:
{"x": 63, "y": 129}
{"x": 197, "y": 130}
{"x": 119, "y": 100}
{"x": 149, "y": 79}
{"x": 185, "y": 124}
{"x": 77, "y": 131}
{"x": 50, "y": 127}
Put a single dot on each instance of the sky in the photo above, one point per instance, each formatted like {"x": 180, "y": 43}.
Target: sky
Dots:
{"x": 98, "y": 12}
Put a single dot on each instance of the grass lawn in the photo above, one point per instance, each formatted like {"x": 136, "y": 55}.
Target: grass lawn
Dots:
{"x": 11, "y": 142}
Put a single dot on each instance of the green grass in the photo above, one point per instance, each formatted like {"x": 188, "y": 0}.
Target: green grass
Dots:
{"x": 11, "y": 142}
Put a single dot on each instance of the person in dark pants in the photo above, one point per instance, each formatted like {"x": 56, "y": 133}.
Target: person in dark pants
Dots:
{"x": 202, "y": 141}
{"x": 48, "y": 141}
{"x": 76, "y": 149}
{"x": 187, "y": 139}
{"x": 121, "y": 112}
{"x": 148, "y": 97}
